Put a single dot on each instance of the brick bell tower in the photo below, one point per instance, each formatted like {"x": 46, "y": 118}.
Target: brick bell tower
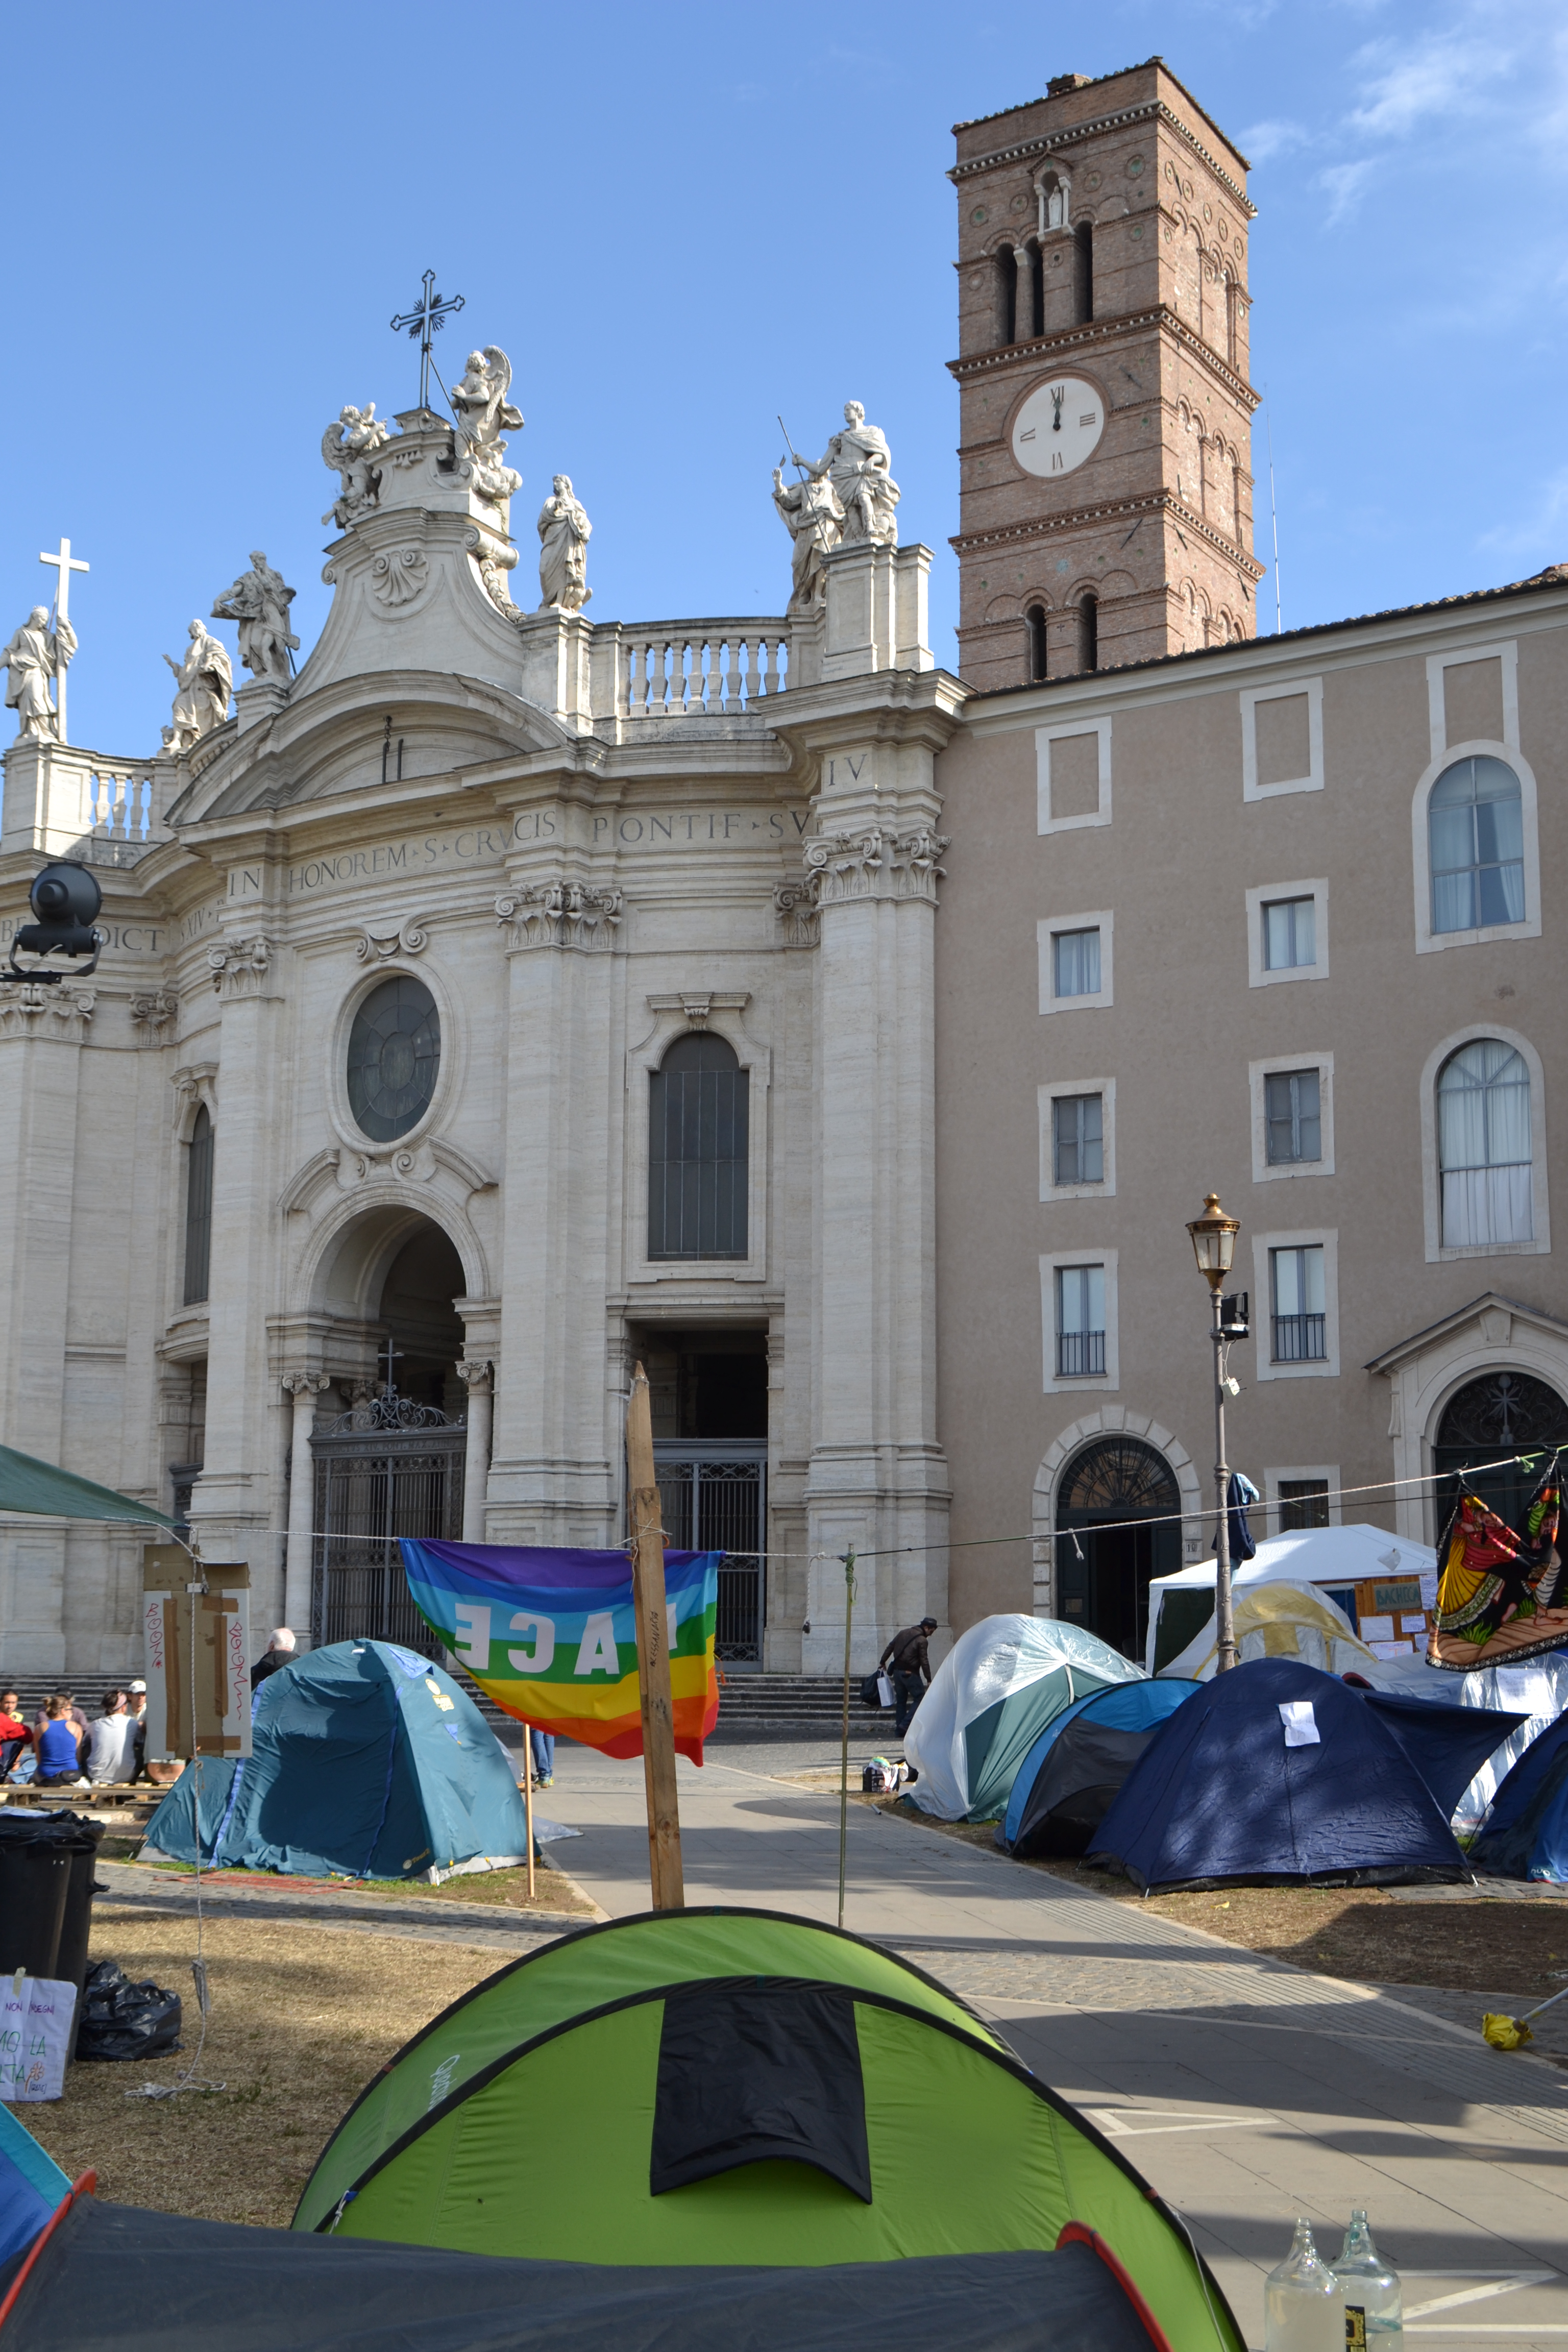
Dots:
{"x": 1106, "y": 493}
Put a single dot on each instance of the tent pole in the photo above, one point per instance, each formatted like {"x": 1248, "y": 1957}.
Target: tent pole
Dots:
{"x": 844, "y": 1751}
{"x": 653, "y": 1655}
{"x": 527, "y": 1798}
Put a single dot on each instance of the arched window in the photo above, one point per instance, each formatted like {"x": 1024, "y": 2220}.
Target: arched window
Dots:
{"x": 1475, "y": 821}
{"x": 1103, "y": 1578}
{"x": 1083, "y": 273}
{"x": 395, "y": 1053}
{"x": 1483, "y": 1145}
{"x": 696, "y": 1160}
{"x": 1034, "y": 621}
{"x": 1089, "y": 633}
{"x": 198, "y": 1207}
{"x": 1007, "y": 304}
{"x": 1036, "y": 322}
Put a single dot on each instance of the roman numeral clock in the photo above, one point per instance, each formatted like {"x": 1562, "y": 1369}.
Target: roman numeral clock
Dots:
{"x": 1059, "y": 426}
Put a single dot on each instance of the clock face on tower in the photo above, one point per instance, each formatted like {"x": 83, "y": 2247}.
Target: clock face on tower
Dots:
{"x": 1059, "y": 426}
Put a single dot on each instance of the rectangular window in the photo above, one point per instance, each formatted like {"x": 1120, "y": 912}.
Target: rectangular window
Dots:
{"x": 1303, "y": 1503}
{"x": 1078, "y": 1140}
{"x": 1300, "y": 1304}
{"x": 1292, "y": 1113}
{"x": 1080, "y": 1320}
{"x": 198, "y": 1210}
{"x": 1075, "y": 962}
{"x": 1290, "y": 934}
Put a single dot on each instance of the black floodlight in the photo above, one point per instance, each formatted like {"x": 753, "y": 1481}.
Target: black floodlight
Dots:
{"x": 65, "y": 897}
{"x": 1233, "y": 1318}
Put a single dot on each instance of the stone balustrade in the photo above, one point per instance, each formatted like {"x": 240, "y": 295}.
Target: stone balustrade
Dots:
{"x": 700, "y": 669}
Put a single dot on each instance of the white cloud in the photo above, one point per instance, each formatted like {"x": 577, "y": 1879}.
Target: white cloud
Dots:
{"x": 1410, "y": 82}
{"x": 1263, "y": 140}
{"x": 1344, "y": 183}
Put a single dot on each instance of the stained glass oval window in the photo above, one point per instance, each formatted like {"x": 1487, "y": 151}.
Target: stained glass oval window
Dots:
{"x": 394, "y": 1053}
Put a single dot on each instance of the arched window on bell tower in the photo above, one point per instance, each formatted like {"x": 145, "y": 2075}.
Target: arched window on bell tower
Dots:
{"x": 1007, "y": 269}
{"x": 1034, "y": 621}
{"x": 1083, "y": 273}
{"x": 1089, "y": 633}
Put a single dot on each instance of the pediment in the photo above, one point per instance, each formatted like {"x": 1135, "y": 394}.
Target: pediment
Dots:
{"x": 338, "y": 741}
{"x": 1491, "y": 1317}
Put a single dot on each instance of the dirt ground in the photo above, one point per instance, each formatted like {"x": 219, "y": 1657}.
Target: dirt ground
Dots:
{"x": 1360, "y": 1933}
{"x": 552, "y": 1891}
{"x": 301, "y": 2018}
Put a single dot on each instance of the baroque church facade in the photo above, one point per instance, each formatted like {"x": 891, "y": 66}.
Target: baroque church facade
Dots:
{"x": 507, "y": 997}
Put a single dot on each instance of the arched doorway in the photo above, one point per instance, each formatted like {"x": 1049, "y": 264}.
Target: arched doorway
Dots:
{"x": 1499, "y": 1413}
{"x": 391, "y": 1464}
{"x": 1103, "y": 1565}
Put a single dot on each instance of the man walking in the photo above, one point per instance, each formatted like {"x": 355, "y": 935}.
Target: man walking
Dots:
{"x": 908, "y": 1662}
{"x": 278, "y": 1653}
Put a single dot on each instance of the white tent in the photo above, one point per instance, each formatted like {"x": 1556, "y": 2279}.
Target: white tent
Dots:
{"x": 1335, "y": 1558}
{"x": 998, "y": 1686}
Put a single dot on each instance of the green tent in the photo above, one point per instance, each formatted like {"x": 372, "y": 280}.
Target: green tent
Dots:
{"x": 724, "y": 2087}
{"x": 26, "y": 1485}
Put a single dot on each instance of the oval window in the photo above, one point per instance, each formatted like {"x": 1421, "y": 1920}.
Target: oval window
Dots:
{"x": 394, "y": 1052}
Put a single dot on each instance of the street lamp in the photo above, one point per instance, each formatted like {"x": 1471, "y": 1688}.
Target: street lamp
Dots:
{"x": 1214, "y": 1246}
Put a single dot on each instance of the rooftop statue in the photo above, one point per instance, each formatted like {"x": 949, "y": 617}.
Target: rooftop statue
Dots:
{"x": 813, "y": 512}
{"x": 36, "y": 655}
{"x": 482, "y": 411}
{"x": 203, "y": 683}
{"x": 858, "y": 463}
{"x": 349, "y": 447}
{"x": 259, "y": 602}
{"x": 564, "y": 534}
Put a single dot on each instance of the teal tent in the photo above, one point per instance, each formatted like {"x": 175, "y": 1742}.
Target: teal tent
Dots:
{"x": 366, "y": 1760}
{"x": 38, "y": 1487}
{"x": 1001, "y": 1684}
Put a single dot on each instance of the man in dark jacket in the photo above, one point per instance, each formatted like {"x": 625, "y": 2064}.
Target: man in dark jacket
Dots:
{"x": 280, "y": 1652}
{"x": 908, "y": 1662}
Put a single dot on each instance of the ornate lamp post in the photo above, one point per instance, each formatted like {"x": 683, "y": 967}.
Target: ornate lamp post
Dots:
{"x": 1214, "y": 1244}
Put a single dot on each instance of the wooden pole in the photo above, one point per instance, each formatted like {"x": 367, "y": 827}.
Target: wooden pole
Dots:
{"x": 653, "y": 1655}
{"x": 844, "y": 1751}
{"x": 528, "y": 1798}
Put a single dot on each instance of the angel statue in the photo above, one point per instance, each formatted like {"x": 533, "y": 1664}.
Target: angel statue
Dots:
{"x": 348, "y": 445}
{"x": 483, "y": 411}
{"x": 259, "y": 602}
{"x": 564, "y": 531}
{"x": 203, "y": 683}
{"x": 36, "y": 655}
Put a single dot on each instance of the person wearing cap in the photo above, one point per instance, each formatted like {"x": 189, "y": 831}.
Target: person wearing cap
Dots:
{"x": 136, "y": 1708}
{"x": 280, "y": 1652}
{"x": 908, "y": 1659}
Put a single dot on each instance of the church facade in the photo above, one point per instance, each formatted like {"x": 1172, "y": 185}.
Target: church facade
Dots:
{"x": 500, "y": 997}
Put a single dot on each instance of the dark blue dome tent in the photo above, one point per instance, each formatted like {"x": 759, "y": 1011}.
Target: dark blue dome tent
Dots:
{"x": 1525, "y": 1835}
{"x": 366, "y": 1759}
{"x": 1068, "y": 1781}
{"x": 1275, "y": 1774}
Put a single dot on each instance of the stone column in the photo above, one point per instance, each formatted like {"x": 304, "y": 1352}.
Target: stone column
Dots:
{"x": 479, "y": 1380}
{"x": 304, "y": 1388}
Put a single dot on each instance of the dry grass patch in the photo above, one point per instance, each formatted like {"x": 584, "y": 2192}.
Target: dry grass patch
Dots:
{"x": 301, "y": 2018}
{"x": 553, "y": 1890}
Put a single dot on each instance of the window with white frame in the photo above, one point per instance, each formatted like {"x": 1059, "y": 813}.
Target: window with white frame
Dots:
{"x": 1484, "y": 1156}
{"x": 1080, "y": 1321}
{"x": 1290, "y": 933}
{"x": 1287, "y": 932}
{"x": 1282, "y": 740}
{"x": 1292, "y": 1116}
{"x": 1303, "y": 1503}
{"x": 1075, "y": 961}
{"x": 1078, "y": 1140}
{"x": 1297, "y": 1305}
{"x": 1475, "y": 819}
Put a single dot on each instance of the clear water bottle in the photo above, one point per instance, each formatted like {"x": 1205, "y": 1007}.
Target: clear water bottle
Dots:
{"x": 1370, "y": 2284}
{"x": 1303, "y": 2310}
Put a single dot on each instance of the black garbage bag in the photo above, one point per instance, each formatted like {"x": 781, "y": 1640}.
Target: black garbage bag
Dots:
{"x": 870, "y": 1693}
{"x": 122, "y": 2020}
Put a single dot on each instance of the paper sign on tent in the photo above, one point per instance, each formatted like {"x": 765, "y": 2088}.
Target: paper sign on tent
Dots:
{"x": 1301, "y": 1723}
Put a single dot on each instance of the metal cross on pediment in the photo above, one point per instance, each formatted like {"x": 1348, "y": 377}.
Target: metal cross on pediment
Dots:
{"x": 392, "y": 1355}
{"x": 429, "y": 316}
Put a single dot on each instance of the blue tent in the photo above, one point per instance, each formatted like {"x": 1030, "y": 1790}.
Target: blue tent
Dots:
{"x": 368, "y": 1760}
{"x": 32, "y": 2187}
{"x": 1069, "y": 1777}
{"x": 1355, "y": 1790}
{"x": 1526, "y": 1832}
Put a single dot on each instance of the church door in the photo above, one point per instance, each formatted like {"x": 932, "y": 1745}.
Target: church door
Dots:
{"x": 1116, "y": 1528}
{"x": 389, "y": 1468}
{"x": 711, "y": 1495}
{"x": 1500, "y": 1413}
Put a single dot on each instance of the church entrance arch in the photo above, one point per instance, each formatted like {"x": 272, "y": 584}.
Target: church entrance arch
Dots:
{"x": 1116, "y": 1528}
{"x": 1497, "y": 1415}
{"x": 392, "y": 1464}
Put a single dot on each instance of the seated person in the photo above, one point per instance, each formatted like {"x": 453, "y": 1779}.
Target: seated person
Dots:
{"x": 111, "y": 1741}
{"x": 15, "y": 1736}
{"x": 71, "y": 1709}
{"x": 58, "y": 1760}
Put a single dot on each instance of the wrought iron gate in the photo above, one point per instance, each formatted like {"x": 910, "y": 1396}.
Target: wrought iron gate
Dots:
{"x": 712, "y": 1497}
{"x": 387, "y": 1469}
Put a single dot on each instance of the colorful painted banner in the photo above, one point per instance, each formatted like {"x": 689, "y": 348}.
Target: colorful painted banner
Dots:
{"x": 551, "y": 1637}
{"x": 1501, "y": 1596}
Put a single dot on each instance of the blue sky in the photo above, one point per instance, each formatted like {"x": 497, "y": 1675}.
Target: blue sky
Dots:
{"x": 679, "y": 222}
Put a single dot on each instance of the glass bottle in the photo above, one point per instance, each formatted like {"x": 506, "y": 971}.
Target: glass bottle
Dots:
{"x": 1303, "y": 2310}
{"x": 1369, "y": 2283}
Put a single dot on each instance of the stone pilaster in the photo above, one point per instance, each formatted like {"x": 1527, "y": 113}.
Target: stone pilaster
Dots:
{"x": 304, "y": 1388}
{"x": 478, "y": 1379}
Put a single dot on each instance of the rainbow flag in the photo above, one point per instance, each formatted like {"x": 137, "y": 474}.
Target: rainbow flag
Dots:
{"x": 551, "y": 1637}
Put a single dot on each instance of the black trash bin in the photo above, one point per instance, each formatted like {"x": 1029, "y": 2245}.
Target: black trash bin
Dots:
{"x": 47, "y": 1863}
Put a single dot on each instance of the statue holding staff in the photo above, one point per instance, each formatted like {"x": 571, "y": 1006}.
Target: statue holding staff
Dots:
{"x": 36, "y": 655}
{"x": 259, "y": 602}
{"x": 860, "y": 467}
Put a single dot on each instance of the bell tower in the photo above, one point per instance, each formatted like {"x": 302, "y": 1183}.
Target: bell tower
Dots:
{"x": 1106, "y": 492}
